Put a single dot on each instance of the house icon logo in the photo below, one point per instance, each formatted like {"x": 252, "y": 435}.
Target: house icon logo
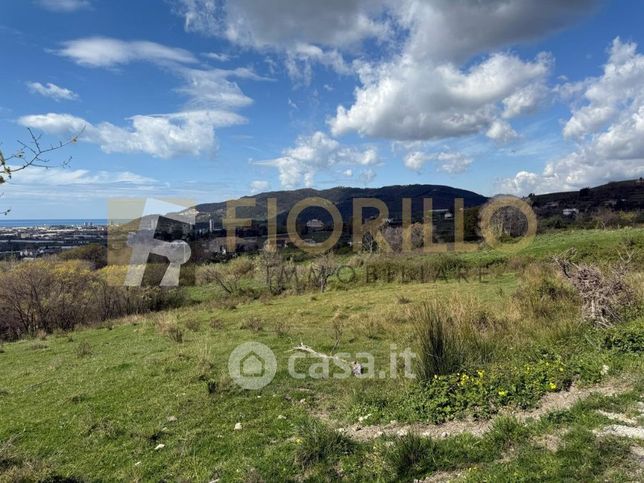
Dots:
{"x": 252, "y": 365}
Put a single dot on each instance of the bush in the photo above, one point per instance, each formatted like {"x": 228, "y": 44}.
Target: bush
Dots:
{"x": 45, "y": 296}
{"x": 228, "y": 275}
{"x": 627, "y": 339}
{"x": 93, "y": 253}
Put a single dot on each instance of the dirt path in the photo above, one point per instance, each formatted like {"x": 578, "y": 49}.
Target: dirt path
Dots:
{"x": 549, "y": 403}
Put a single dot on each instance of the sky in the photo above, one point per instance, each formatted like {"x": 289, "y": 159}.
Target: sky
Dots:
{"x": 208, "y": 100}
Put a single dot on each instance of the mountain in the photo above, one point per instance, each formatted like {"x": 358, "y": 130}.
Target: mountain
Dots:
{"x": 342, "y": 197}
{"x": 619, "y": 196}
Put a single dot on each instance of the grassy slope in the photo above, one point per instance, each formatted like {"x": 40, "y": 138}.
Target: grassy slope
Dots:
{"x": 100, "y": 416}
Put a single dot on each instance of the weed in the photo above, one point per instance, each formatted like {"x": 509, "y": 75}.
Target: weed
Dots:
{"x": 254, "y": 324}
{"x": 411, "y": 456}
{"x": 402, "y": 300}
{"x": 193, "y": 325}
{"x": 174, "y": 333}
{"x": 84, "y": 349}
{"x": 282, "y": 329}
{"x": 317, "y": 442}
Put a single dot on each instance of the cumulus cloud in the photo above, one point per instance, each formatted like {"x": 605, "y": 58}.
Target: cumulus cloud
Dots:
{"x": 298, "y": 165}
{"x": 608, "y": 123}
{"x": 416, "y": 160}
{"x": 280, "y": 23}
{"x": 408, "y": 100}
{"x": 307, "y": 33}
{"x": 427, "y": 41}
{"x": 162, "y": 136}
{"x": 501, "y": 132}
{"x": 52, "y": 91}
{"x": 65, "y": 6}
{"x": 109, "y": 52}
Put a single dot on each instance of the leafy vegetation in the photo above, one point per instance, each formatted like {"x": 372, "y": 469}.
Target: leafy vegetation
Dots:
{"x": 148, "y": 396}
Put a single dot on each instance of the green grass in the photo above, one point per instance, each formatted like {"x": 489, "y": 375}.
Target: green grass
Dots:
{"x": 94, "y": 404}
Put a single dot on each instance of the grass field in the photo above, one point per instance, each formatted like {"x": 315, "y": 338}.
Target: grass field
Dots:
{"x": 149, "y": 398}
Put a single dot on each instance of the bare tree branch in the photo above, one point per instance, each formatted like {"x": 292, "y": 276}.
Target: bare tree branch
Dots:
{"x": 32, "y": 154}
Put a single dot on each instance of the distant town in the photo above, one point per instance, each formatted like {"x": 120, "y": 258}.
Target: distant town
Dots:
{"x": 30, "y": 242}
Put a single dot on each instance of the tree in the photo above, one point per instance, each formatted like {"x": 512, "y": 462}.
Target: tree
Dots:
{"x": 31, "y": 154}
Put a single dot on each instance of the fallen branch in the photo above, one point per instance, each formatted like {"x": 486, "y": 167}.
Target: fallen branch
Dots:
{"x": 356, "y": 367}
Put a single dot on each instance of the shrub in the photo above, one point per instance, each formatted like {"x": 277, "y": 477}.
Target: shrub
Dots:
{"x": 93, "y": 253}
{"x": 317, "y": 442}
{"x": 48, "y": 295}
{"x": 628, "y": 339}
{"x": 228, "y": 275}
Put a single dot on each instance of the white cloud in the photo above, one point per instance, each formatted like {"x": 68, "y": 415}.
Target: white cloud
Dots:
{"x": 298, "y": 165}
{"x": 163, "y": 135}
{"x": 307, "y": 33}
{"x": 219, "y": 57}
{"x": 258, "y": 186}
{"x": 211, "y": 96}
{"x": 300, "y": 60}
{"x": 501, "y": 132}
{"x": 109, "y": 52}
{"x": 525, "y": 100}
{"x": 451, "y": 162}
{"x": 608, "y": 125}
{"x": 425, "y": 43}
{"x": 67, "y": 177}
{"x": 410, "y": 100}
{"x": 348, "y": 173}
{"x": 65, "y": 6}
{"x": 416, "y": 160}
{"x": 212, "y": 88}
{"x": 52, "y": 91}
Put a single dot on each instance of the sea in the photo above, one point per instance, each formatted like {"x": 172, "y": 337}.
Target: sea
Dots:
{"x": 51, "y": 222}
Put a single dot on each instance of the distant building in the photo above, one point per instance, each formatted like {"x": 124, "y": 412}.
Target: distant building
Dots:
{"x": 570, "y": 212}
{"x": 315, "y": 224}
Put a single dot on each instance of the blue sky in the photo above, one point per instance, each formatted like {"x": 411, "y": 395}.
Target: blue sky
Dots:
{"x": 212, "y": 99}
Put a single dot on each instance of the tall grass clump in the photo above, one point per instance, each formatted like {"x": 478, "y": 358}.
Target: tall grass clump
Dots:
{"x": 440, "y": 347}
{"x": 318, "y": 442}
{"x": 411, "y": 456}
